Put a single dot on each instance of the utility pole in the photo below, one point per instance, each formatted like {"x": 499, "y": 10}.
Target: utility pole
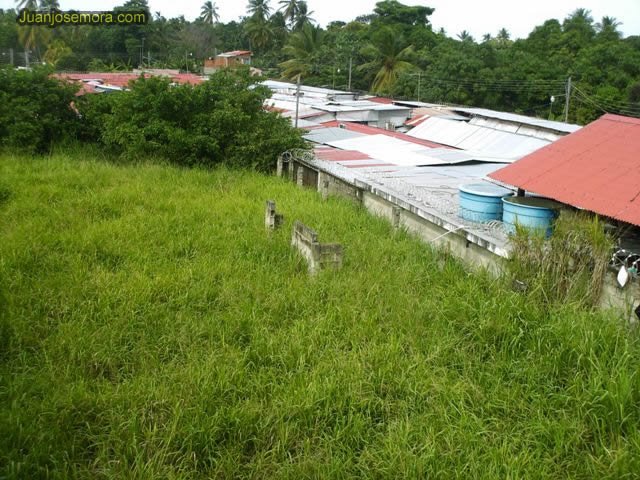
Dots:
{"x": 566, "y": 105}
{"x": 350, "y": 65}
{"x": 26, "y": 57}
{"x": 419, "y": 79}
{"x": 297, "y": 100}
{"x": 11, "y": 56}
{"x": 142, "y": 54}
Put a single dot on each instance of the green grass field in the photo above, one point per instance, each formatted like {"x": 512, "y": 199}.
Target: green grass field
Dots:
{"x": 151, "y": 328}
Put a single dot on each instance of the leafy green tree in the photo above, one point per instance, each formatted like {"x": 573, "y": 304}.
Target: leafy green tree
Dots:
{"x": 219, "y": 121}
{"x": 394, "y": 12}
{"x": 389, "y": 56}
{"x": 35, "y": 110}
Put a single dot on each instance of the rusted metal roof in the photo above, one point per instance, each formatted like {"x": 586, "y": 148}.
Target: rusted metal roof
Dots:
{"x": 91, "y": 82}
{"x": 596, "y": 168}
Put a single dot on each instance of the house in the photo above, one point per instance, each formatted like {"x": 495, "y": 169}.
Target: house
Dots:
{"x": 226, "y": 60}
{"x": 596, "y": 168}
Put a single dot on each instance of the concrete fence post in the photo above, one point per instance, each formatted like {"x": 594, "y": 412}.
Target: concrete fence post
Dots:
{"x": 272, "y": 220}
{"x": 395, "y": 216}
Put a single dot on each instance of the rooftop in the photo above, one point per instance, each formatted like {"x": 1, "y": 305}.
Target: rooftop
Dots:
{"x": 596, "y": 168}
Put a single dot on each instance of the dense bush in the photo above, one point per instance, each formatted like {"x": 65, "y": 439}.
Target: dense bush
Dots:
{"x": 219, "y": 121}
{"x": 35, "y": 110}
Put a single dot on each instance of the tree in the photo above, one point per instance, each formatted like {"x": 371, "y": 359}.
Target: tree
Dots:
{"x": 465, "y": 36}
{"x": 49, "y": 4}
{"x": 209, "y": 12}
{"x": 290, "y": 9}
{"x": 34, "y": 122}
{"x": 303, "y": 51}
{"x": 394, "y": 12}
{"x": 503, "y": 36}
{"x": 607, "y": 29}
{"x": 260, "y": 32}
{"x": 219, "y": 121}
{"x": 303, "y": 16}
{"x": 390, "y": 56}
{"x": 259, "y": 9}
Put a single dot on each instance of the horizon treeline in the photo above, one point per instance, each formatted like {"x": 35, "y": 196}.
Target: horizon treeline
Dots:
{"x": 394, "y": 51}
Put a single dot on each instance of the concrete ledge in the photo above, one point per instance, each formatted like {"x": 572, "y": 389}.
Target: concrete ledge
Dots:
{"x": 318, "y": 255}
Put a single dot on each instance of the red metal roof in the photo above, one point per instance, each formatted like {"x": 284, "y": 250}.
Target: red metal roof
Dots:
{"x": 367, "y": 130}
{"x": 120, "y": 79}
{"x": 382, "y": 100}
{"x": 596, "y": 168}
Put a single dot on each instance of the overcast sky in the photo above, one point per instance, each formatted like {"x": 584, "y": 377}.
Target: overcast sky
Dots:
{"x": 476, "y": 16}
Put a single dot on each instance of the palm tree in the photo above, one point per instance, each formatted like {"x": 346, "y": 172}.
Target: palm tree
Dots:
{"x": 303, "y": 16}
{"x": 303, "y": 50}
{"x": 260, "y": 32}
{"x": 608, "y": 28}
{"x": 290, "y": 8}
{"x": 259, "y": 9}
{"x": 390, "y": 56}
{"x": 30, "y": 4}
{"x": 28, "y": 34}
{"x": 503, "y": 35}
{"x": 49, "y": 4}
{"x": 209, "y": 12}
{"x": 465, "y": 36}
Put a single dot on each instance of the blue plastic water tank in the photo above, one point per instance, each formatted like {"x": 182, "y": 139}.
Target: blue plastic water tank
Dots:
{"x": 482, "y": 202}
{"x": 534, "y": 213}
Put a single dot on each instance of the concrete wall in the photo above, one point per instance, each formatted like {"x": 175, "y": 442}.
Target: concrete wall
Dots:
{"x": 457, "y": 243}
{"x": 454, "y": 242}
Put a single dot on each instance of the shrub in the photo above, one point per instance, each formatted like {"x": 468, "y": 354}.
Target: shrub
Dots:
{"x": 219, "y": 121}
{"x": 35, "y": 110}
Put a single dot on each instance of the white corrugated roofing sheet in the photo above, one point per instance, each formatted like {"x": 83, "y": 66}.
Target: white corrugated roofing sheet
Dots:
{"x": 513, "y": 117}
{"x": 482, "y": 141}
{"x": 328, "y": 136}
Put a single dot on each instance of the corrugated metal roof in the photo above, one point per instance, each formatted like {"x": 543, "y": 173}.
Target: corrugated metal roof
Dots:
{"x": 481, "y": 140}
{"x": 513, "y": 117}
{"x": 596, "y": 168}
{"x": 327, "y": 135}
{"x": 368, "y": 130}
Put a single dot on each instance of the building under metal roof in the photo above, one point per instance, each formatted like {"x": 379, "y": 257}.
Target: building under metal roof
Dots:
{"x": 522, "y": 119}
{"x": 596, "y": 168}
{"x": 484, "y": 140}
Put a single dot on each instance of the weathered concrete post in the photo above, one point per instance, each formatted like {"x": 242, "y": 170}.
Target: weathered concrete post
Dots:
{"x": 282, "y": 166}
{"x": 272, "y": 220}
{"x": 323, "y": 185}
{"x": 300, "y": 176}
{"x": 292, "y": 169}
{"x": 319, "y": 256}
{"x": 395, "y": 213}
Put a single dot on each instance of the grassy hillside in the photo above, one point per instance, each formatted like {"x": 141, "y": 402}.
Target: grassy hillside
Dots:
{"x": 150, "y": 328}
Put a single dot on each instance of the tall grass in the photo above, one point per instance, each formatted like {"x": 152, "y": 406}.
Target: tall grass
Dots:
{"x": 154, "y": 330}
{"x": 568, "y": 267}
